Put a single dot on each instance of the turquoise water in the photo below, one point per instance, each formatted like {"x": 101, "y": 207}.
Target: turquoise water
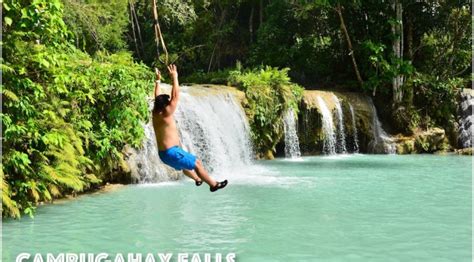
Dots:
{"x": 344, "y": 208}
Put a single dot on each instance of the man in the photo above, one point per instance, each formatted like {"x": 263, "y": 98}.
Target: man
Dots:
{"x": 167, "y": 135}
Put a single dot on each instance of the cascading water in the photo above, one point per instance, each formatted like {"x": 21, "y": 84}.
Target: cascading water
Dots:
{"x": 356, "y": 139}
{"x": 211, "y": 126}
{"x": 329, "y": 145}
{"x": 292, "y": 147}
{"x": 341, "y": 135}
{"x": 381, "y": 142}
{"x": 214, "y": 128}
{"x": 466, "y": 119}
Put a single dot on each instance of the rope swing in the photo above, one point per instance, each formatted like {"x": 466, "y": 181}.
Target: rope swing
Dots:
{"x": 158, "y": 36}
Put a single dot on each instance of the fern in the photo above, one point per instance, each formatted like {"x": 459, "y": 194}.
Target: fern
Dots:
{"x": 66, "y": 115}
{"x": 9, "y": 206}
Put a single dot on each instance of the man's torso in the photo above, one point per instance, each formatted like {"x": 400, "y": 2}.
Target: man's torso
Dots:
{"x": 166, "y": 131}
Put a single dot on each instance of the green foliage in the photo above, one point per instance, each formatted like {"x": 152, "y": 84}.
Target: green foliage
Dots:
{"x": 39, "y": 21}
{"x": 97, "y": 24}
{"x": 407, "y": 119}
{"x": 179, "y": 12}
{"x": 269, "y": 93}
{"x": 429, "y": 102}
{"x": 66, "y": 115}
{"x": 430, "y": 92}
{"x": 381, "y": 71}
{"x": 302, "y": 36}
{"x": 215, "y": 77}
{"x": 435, "y": 98}
{"x": 447, "y": 48}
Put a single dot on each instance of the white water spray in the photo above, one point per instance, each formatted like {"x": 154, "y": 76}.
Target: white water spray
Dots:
{"x": 341, "y": 135}
{"x": 466, "y": 118}
{"x": 329, "y": 146}
{"x": 381, "y": 143}
{"x": 356, "y": 139}
{"x": 292, "y": 146}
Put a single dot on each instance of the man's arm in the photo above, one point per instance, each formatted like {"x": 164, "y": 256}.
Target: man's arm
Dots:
{"x": 175, "y": 90}
{"x": 157, "y": 82}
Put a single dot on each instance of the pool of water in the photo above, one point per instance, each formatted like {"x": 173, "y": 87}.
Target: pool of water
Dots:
{"x": 342, "y": 208}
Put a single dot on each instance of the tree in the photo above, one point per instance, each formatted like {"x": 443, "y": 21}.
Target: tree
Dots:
{"x": 66, "y": 115}
{"x": 349, "y": 43}
{"x": 397, "y": 31}
{"x": 98, "y": 24}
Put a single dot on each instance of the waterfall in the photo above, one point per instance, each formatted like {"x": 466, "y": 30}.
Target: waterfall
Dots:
{"x": 146, "y": 163}
{"x": 466, "y": 119}
{"x": 341, "y": 135}
{"x": 329, "y": 146}
{"x": 292, "y": 147}
{"x": 354, "y": 126}
{"x": 212, "y": 126}
{"x": 381, "y": 143}
{"x": 215, "y": 129}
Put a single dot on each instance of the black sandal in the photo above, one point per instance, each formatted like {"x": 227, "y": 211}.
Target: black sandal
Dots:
{"x": 218, "y": 186}
{"x": 198, "y": 183}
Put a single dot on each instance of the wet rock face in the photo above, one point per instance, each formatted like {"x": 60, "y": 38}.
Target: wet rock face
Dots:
{"x": 465, "y": 118}
{"x": 140, "y": 167}
{"x": 310, "y": 121}
{"x": 310, "y": 133}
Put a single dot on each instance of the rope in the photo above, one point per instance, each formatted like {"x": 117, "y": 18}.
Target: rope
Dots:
{"x": 159, "y": 36}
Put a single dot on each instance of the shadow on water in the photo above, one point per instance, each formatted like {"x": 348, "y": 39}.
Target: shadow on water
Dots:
{"x": 360, "y": 161}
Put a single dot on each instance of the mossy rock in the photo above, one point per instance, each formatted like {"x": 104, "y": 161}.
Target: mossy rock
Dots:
{"x": 423, "y": 141}
{"x": 465, "y": 151}
{"x": 431, "y": 140}
{"x": 406, "y": 146}
{"x": 268, "y": 155}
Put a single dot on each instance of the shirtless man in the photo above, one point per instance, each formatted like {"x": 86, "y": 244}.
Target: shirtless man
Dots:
{"x": 168, "y": 139}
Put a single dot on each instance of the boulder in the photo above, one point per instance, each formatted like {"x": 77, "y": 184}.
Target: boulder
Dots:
{"x": 422, "y": 141}
{"x": 405, "y": 145}
{"x": 431, "y": 140}
{"x": 465, "y": 151}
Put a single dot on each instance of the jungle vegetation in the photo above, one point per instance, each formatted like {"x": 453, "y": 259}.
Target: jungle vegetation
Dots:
{"x": 76, "y": 73}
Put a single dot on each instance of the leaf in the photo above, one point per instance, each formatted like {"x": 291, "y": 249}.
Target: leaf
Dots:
{"x": 9, "y": 94}
{"x": 92, "y": 179}
{"x": 8, "y": 20}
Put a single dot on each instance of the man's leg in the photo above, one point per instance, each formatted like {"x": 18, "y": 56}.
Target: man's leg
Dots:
{"x": 202, "y": 173}
{"x": 191, "y": 174}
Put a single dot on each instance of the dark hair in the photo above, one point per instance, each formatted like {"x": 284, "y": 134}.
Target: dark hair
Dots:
{"x": 161, "y": 102}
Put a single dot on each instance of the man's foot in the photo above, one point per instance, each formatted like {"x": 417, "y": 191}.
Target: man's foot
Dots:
{"x": 198, "y": 182}
{"x": 218, "y": 186}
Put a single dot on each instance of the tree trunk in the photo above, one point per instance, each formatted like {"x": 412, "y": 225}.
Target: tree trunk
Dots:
{"x": 158, "y": 35}
{"x": 216, "y": 44}
{"x": 251, "y": 24}
{"x": 133, "y": 30}
{"x": 410, "y": 39}
{"x": 349, "y": 44}
{"x": 138, "y": 28}
{"x": 261, "y": 13}
{"x": 397, "y": 31}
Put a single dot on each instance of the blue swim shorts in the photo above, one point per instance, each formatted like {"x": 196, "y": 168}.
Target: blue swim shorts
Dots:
{"x": 177, "y": 158}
